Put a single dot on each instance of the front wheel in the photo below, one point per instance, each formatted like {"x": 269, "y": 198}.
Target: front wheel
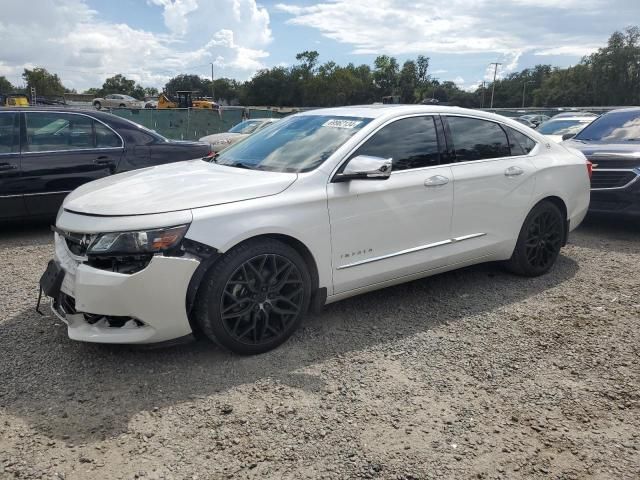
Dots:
{"x": 539, "y": 242}
{"x": 97, "y": 105}
{"x": 255, "y": 297}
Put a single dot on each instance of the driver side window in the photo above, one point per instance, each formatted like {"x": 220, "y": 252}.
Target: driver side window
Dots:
{"x": 409, "y": 142}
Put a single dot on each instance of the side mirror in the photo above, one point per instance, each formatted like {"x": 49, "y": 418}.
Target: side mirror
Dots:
{"x": 567, "y": 136}
{"x": 365, "y": 167}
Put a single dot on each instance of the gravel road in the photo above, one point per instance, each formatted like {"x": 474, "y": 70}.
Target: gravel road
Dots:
{"x": 470, "y": 374}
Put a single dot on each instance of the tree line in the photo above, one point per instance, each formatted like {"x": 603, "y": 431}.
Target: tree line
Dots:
{"x": 609, "y": 76}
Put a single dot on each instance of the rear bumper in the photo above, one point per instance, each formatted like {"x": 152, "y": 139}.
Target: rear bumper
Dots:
{"x": 624, "y": 201}
{"x": 154, "y": 299}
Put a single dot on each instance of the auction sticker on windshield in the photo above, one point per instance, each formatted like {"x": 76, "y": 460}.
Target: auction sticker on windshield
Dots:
{"x": 342, "y": 123}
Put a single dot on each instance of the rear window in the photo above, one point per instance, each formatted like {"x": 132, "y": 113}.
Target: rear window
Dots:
{"x": 622, "y": 126}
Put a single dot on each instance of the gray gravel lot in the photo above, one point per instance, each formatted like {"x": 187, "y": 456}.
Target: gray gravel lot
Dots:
{"x": 470, "y": 374}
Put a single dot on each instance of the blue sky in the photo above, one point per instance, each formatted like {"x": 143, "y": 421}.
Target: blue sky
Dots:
{"x": 84, "y": 41}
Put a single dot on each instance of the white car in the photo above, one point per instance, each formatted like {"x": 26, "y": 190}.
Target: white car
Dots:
{"x": 555, "y": 128}
{"x": 324, "y": 205}
{"x": 117, "y": 101}
{"x": 242, "y": 130}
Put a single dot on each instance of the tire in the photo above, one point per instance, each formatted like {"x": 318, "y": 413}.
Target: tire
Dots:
{"x": 97, "y": 105}
{"x": 255, "y": 297}
{"x": 122, "y": 105}
{"x": 539, "y": 241}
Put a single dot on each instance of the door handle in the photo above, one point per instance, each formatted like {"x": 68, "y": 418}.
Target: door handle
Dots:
{"x": 513, "y": 172}
{"x": 436, "y": 181}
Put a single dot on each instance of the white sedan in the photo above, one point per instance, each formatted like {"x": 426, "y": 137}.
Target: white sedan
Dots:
{"x": 322, "y": 206}
{"x": 242, "y": 130}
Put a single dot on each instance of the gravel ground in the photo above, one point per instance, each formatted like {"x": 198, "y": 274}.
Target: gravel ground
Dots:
{"x": 471, "y": 374}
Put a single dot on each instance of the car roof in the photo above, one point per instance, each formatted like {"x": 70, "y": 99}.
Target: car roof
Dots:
{"x": 393, "y": 110}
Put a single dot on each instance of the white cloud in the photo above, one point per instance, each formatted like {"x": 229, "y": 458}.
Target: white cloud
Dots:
{"x": 74, "y": 42}
{"x": 497, "y": 27}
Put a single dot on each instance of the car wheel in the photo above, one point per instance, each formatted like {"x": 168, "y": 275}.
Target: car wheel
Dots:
{"x": 255, "y": 297}
{"x": 98, "y": 105}
{"x": 122, "y": 105}
{"x": 539, "y": 242}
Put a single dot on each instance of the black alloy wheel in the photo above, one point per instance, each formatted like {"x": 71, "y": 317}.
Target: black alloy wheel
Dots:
{"x": 540, "y": 240}
{"x": 254, "y": 297}
{"x": 261, "y": 299}
{"x": 544, "y": 239}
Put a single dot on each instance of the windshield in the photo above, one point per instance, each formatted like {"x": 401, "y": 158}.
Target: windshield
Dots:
{"x": 127, "y": 97}
{"x": 245, "y": 127}
{"x": 561, "y": 127}
{"x": 294, "y": 144}
{"x": 621, "y": 126}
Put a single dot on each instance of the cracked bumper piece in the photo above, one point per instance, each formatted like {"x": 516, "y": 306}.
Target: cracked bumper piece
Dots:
{"x": 153, "y": 300}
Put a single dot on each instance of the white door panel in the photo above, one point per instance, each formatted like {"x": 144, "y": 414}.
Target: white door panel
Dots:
{"x": 491, "y": 197}
{"x": 382, "y": 229}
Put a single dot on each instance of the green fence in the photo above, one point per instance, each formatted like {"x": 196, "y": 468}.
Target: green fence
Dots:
{"x": 189, "y": 123}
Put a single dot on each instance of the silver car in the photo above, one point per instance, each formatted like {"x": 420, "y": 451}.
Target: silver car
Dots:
{"x": 239, "y": 132}
{"x": 116, "y": 100}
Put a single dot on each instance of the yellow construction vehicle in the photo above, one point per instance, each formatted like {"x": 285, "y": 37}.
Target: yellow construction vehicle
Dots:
{"x": 183, "y": 99}
{"x": 14, "y": 100}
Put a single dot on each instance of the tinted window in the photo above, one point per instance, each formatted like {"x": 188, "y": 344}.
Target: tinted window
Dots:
{"x": 8, "y": 133}
{"x": 520, "y": 144}
{"x": 475, "y": 139}
{"x": 52, "y": 131}
{"x": 245, "y": 127}
{"x": 623, "y": 126}
{"x": 298, "y": 143}
{"x": 410, "y": 143}
{"x": 105, "y": 136}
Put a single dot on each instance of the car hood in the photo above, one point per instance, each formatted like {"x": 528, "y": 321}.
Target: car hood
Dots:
{"x": 590, "y": 148}
{"x": 173, "y": 187}
{"x": 222, "y": 136}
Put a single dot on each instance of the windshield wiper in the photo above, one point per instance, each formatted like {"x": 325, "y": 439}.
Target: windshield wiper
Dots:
{"x": 239, "y": 165}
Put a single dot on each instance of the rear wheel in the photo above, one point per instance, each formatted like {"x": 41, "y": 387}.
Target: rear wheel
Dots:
{"x": 98, "y": 105}
{"x": 255, "y": 297}
{"x": 122, "y": 105}
{"x": 539, "y": 242}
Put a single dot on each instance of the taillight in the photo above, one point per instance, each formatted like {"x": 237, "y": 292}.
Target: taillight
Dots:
{"x": 590, "y": 169}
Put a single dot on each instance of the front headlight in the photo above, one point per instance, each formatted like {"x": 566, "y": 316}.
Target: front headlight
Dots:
{"x": 143, "y": 241}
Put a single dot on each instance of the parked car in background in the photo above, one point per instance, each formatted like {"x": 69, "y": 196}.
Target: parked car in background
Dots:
{"x": 45, "y": 154}
{"x": 150, "y": 102}
{"x": 536, "y": 119}
{"x": 575, "y": 113}
{"x": 117, "y": 101}
{"x": 555, "y": 128}
{"x": 239, "y": 132}
{"x": 612, "y": 143}
{"x": 321, "y": 206}
{"x": 525, "y": 122}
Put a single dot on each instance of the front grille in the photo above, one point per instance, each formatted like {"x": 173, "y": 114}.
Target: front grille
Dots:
{"x": 611, "y": 178}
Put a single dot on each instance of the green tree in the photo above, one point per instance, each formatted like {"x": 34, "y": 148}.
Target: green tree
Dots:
{"x": 385, "y": 74}
{"x": 44, "y": 82}
{"x": 192, "y": 83}
{"x": 5, "y": 85}
{"x": 408, "y": 82}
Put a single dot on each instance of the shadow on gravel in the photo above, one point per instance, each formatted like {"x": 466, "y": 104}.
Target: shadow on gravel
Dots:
{"x": 608, "y": 233}
{"x": 90, "y": 392}
{"x": 27, "y": 232}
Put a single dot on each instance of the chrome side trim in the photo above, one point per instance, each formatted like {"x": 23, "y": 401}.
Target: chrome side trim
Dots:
{"x": 468, "y": 237}
{"x": 411, "y": 250}
{"x": 628, "y": 184}
{"x": 72, "y": 150}
{"x": 36, "y": 194}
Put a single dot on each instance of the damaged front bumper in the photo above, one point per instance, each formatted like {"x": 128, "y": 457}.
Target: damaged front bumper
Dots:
{"x": 102, "y": 306}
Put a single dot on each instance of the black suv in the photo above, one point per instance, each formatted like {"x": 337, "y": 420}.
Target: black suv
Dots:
{"x": 47, "y": 153}
{"x": 612, "y": 144}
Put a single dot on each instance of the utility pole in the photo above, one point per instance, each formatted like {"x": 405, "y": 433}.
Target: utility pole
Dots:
{"x": 483, "y": 92}
{"x": 524, "y": 90}
{"x": 213, "y": 98}
{"x": 493, "y": 86}
{"x": 434, "y": 80}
